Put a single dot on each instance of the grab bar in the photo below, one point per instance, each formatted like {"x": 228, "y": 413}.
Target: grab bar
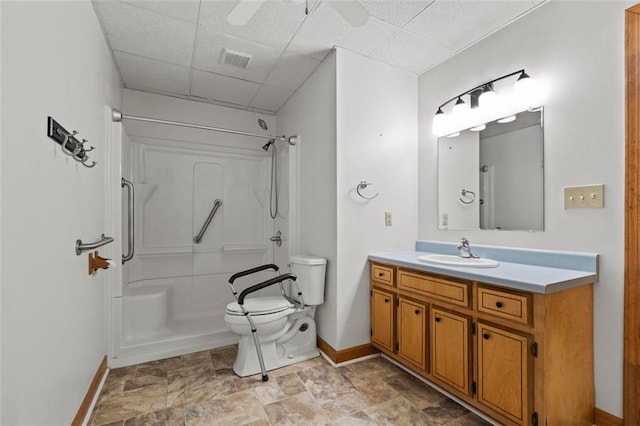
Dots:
{"x": 130, "y": 220}
{"x": 198, "y": 238}
{"x": 82, "y": 247}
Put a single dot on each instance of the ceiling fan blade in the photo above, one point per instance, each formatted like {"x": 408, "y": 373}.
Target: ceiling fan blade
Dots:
{"x": 352, "y": 11}
{"x": 243, "y": 11}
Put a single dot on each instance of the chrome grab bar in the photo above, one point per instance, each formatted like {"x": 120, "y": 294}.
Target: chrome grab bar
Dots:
{"x": 82, "y": 247}
{"x": 130, "y": 220}
{"x": 216, "y": 205}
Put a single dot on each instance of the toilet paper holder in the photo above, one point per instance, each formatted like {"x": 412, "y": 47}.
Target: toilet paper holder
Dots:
{"x": 98, "y": 262}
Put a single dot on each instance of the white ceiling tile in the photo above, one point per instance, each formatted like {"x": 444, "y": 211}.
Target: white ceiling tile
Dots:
{"x": 270, "y": 98}
{"x": 458, "y": 23}
{"x": 208, "y": 53}
{"x": 146, "y": 33}
{"x": 325, "y": 28}
{"x": 187, "y": 10}
{"x": 222, "y": 88}
{"x": 273, "y": 24}
{"x": 291, "y": 71}
{"x": 148, "y": 74}
{"x": 411, "y": 52}
{"x": 396, "y": 12}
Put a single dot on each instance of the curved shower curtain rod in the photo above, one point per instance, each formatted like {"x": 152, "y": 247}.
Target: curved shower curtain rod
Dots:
{"x": 117, "y": 116}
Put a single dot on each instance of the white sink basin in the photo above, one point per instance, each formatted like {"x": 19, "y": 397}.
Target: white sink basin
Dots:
{"x": 445, "y": 259}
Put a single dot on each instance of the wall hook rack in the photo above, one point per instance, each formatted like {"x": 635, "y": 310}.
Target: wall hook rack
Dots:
{"x": 69, "y": 144}
{"x": 363, "y": 185}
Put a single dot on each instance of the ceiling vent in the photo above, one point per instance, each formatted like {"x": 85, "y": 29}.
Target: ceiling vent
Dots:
{"x": 235, "y": 58}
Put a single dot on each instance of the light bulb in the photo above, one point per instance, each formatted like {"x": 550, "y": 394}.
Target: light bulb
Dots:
{"x": 488, "y": 100}
{"x": 478, "y": 128}
{"x": 460, "y": 108}
{"x": 526, "y": 91}
{"x": 439, "y": 122}
{"x": 508, "y": 119}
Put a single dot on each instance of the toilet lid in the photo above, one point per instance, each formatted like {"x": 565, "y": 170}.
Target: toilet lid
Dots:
{"x": 260, "y": 305}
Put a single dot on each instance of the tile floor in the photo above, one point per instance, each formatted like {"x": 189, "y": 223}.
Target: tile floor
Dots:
{"x": 201, "y": 389}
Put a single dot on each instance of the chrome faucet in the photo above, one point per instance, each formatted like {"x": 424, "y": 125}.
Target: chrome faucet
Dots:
{"x": 465, "y": 250}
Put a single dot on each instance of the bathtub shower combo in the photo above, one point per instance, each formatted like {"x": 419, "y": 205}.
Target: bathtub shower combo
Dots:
{"x": 203, "y": 212}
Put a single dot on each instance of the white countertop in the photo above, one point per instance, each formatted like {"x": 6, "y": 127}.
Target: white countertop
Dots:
{"x": 520, "y": 276}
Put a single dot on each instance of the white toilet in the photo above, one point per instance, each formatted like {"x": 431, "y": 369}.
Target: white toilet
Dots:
{"x": 287, "y": 332}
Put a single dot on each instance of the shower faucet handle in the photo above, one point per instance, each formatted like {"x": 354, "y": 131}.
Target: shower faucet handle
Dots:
{"x": 277, "y": 238}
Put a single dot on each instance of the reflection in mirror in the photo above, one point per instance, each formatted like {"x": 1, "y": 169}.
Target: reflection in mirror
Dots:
{"x": 493, "y": 178}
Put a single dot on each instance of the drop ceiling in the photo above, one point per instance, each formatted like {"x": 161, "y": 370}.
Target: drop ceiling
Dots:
{"x": 174, "y": 47}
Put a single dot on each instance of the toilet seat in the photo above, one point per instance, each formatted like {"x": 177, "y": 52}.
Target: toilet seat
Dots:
{"x": 257, "y": 306}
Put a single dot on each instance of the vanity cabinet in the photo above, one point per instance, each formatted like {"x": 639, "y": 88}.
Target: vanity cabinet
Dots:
{"x": 522, "y": 358}
{"x": 412, "y": 332}
{"x": 382, "y": 324}
{"x": 450, "y": 349}
{"x": 503, "y": 371}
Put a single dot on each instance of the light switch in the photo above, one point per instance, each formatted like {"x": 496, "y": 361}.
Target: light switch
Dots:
{"x": 387, "y": 218}
{"x": 584, "y": 197}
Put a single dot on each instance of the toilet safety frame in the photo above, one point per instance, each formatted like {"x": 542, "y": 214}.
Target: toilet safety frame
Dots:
{"x": 240, "y": 299}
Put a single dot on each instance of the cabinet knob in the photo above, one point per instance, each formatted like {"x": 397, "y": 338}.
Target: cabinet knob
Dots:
{"x": 485, "y": 336}
{"x": 438, "y": 319}
{"x": 381, "y": 274}
{"x": 418, "y": 311}
{"x": 386, "y": 300}
{"x": 499, "y": 305}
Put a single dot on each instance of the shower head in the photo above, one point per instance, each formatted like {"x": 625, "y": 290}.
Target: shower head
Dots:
{"x": 263, "y": 125}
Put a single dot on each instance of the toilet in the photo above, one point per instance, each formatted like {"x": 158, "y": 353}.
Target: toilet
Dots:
{"x": 286, "y": 331}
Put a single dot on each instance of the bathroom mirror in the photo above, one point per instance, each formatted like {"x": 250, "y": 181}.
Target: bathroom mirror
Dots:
{"x": 493, "y": 178}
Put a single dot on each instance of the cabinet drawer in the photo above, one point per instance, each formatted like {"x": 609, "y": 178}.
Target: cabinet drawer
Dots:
{"x": 382, "y": 274}
{"x": 437, "y": 288}
{"x": 513, "y": 306}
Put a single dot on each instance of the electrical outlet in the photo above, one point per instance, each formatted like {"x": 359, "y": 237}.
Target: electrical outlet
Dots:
{"x": 387, "y": 218}
{"x": 584, "y": 197}
{"x": 445, "y": 219}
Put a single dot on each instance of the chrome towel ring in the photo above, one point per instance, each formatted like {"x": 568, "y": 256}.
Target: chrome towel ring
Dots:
{"x": 363, "y": 185}
{"x": 468, "y": 194}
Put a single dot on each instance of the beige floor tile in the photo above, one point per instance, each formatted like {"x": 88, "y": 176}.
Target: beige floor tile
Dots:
{"x": 397, "y": 411}
{"x": 300, "y": 409}
{"x": 121, "y": 406}
{"x": 290, "y": 384}
{"x": 240, "y": 408}
{"x": 202, "y": 389}
{"x": 420, "y": 394}
{"x": 209, "y": 390}
{"x": 166, "y": 417}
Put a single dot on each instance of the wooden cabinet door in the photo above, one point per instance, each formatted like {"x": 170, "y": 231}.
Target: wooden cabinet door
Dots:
{"x": 382, "y": 319}
{"x": 450, "y": 349}
{"x": 412, "y": 328}
{"x": 503, "y": 371}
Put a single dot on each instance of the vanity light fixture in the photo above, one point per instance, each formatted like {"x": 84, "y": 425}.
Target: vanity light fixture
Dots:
{"x": 478, "y": 128}
{"x": 485, "y": 104}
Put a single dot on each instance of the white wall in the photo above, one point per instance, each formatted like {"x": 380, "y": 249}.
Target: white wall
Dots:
{"x": 311, "y": 114}
{"x": 54, "y": 62}
{"x": 584, "y": 143}
{"x": 376, "y": 142}
{"x": 353, "y": 128}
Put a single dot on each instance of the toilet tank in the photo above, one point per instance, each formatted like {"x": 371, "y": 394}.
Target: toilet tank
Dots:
{"x": 310, "y": 272}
